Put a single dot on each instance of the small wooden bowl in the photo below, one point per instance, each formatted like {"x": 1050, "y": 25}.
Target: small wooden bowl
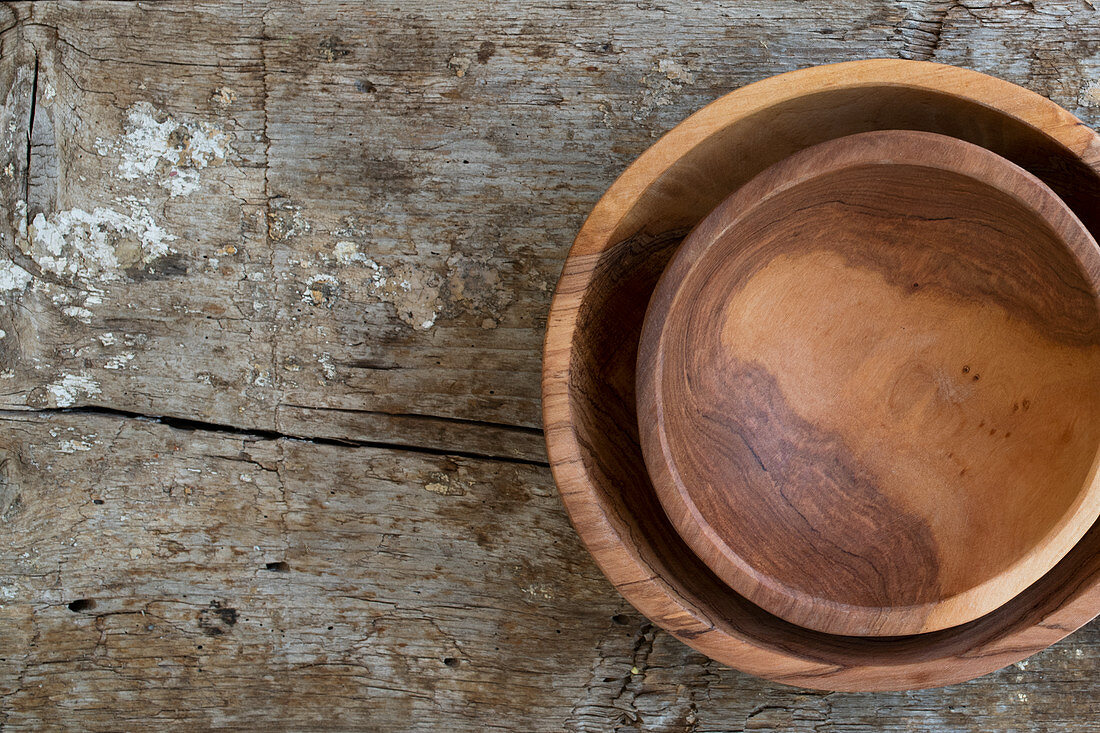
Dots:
{"x": 592, "y": 339}
{"x": 867, "y": 385}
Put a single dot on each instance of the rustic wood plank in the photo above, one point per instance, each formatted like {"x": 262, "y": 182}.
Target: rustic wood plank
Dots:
{"x": 325, "y": 153}
{"x": 194, "y": 578}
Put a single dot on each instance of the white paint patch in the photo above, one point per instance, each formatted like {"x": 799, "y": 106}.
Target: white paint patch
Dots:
{"x": 72, "y": 446}
{"x": 66, "y": 390}
{"x": 107, "y": 338}
{"x": 120, "y": 361}
{"x": 181, "y": 181}
{"x": 348, "y": 253}
{"x": 80, "y": 244}
{"x": 13, "y": 277}
{"x": 260, "y": 377}
{"x": 146, "y": 142}
{"x": 152, "y": 136}
{"x": 80, "y": 314}
{"x": 329, "y": 369}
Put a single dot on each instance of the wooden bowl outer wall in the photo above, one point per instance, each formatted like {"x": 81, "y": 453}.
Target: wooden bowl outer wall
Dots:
{"x": 612, "y": 267}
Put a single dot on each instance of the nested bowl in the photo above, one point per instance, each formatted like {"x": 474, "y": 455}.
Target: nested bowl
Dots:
{"x": 592, "y": 339}
{"x": 867, "y": 384}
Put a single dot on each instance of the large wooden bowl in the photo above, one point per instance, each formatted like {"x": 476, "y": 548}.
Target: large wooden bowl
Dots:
{"x": 591, "y": 347}
{"x": 867, "y": 384}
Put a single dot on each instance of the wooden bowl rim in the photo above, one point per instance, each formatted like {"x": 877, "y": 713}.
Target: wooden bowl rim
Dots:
{"x": 654, "y": 596}
{"x": 912, "y": 148}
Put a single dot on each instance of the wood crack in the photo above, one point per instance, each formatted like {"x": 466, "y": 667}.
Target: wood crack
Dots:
{"x": 30, "y": 140}
{"x": 189, "y": 424}
{"x": 922, "y": 30}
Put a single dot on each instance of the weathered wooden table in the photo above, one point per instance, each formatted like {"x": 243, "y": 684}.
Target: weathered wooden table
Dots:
{"x": 274, "y": 279}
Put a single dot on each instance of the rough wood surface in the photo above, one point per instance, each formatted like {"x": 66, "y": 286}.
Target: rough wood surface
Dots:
{"x": 274, "y": 285}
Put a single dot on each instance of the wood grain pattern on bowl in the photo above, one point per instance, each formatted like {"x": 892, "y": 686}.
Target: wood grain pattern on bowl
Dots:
{"x": 867, "y": 384}
{"x": 592, "y": 339}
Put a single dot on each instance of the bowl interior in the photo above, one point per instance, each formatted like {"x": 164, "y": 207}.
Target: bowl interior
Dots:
{"x": 691, "y": 601}
{"x": 868, "y": 385}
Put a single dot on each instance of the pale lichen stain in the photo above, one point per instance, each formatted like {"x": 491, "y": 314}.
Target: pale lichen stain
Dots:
{"x": 1090, "y": 95}
{"x": 285, "y": 220}
{"x": 459, "y": 65}
{"x": 412, "y": 291}
{"x": 347, "y": 253}
{"x": 73, "y": 446}
{"x": 420, "y": 295}
{"x": 223, "y": 97}
{"x": 538, "y": 590}
{"x": 661, "y": 86}
{"x": 446, "y": 485}
{"x": 328, "y": 368}
{"x": 321, "y": 290}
